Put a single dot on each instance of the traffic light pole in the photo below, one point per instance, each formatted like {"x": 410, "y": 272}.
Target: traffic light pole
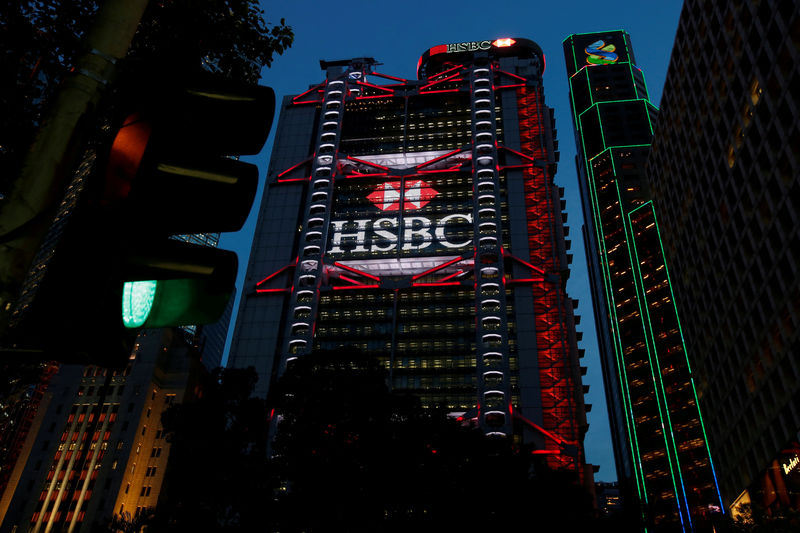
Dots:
{"x": 32, "y": 204}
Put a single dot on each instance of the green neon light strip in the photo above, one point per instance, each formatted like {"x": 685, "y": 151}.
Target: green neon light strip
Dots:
{"x": 618, "y": 147}
{"x": 633, "y": 83}
{"x": 589, "y": 85}
{"x": 596, "y": 33}
{"x": 593, "y": 66}
{"x": 633, "y": 440}
{"x": 574, "y": 111}
{"x": 622, "y": 101}
{"x": 651, "y": 342}
{"x": 618, "y": 349}
{"x": 648, "y": 339}
{"x": 688, "y": 365}
{"x": 602, "y": 133}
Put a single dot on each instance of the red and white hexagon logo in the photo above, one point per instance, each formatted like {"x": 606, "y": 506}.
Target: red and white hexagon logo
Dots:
{"x": 387, "y": 195}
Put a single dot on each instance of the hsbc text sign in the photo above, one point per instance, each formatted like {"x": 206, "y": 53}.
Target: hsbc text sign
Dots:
{"x": 389, "y": 231}
{"x": 472, "y": 46}
{"x": 383, "y": 234}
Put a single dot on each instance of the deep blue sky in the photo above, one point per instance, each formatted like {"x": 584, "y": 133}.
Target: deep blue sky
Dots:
{"x": 397, "y": 33}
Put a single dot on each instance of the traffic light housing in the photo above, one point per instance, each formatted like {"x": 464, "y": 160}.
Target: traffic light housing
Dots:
{"x": 171, "y": 169}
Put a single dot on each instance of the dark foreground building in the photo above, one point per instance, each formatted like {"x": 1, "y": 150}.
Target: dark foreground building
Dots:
{"x": 662, "y": 452}
{"x": 417, "y": 221}
{"x": 725, "y": 174}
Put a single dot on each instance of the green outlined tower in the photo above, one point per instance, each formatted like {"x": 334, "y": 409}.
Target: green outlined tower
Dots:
{"x": 659, "y": 440}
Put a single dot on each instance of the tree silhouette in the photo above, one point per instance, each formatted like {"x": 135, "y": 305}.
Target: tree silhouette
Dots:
{"x": 365, "y": 458}
{"x": 41, "y": 41}
{"x": 216, "y": 478}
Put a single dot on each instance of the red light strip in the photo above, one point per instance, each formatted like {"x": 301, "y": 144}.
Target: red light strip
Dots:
{"x": 512, "y": 75}
{"x": 303, "y": 162}
{"x": 541, "y": 430}
{"x": 365, "y": 84}
{"x": 438, "y": 49}
{"x": 388, "y": 77}
{"x": 351, "y": 280}
{"x": 444, "y": 72}
{"x": 545, "y": 452}
{"x": 506, "y": 167}
{"x": 437, "y": 284}
{"x": 261, "y": 291}
{"x": 356, "y": 271}
{"x": 289, "y": 180}
{"x": 440, "y": 81}
{"x": 373, "y": 97}
{"x": 454, "y": 274}
{"x": 518, "y": 153}
{"x": 438, "y": 267}
{"x": 316, "y": 87}
{"x": 451, "y": 169}
{"x": 345, "y": 287}
{"x": 276, "y": 273}
{"x": 367, "y": 163}
{"x": 537, "y": 269}
{"x": 525, "y": 280}
{"x": 355, "y": 175}
{"x": 442, "y": 91}
{"x": 434, "y": 160}
{"x": 509, "y": 86}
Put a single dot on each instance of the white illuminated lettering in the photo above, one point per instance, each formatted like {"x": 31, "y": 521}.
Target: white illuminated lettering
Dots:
{"x": 422, "y": 229}
{"x": 788, "y": 467}
{"x": 382, "y": 234}
{"x": 359, "y": 236}
{"x": 471, "y": 46}
{"x": 440, "y": 234}
{"x": 388, "y": 235}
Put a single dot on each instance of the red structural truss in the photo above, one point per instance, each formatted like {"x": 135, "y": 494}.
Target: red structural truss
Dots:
{"x": 560, "y": 416}
{"x": 562, "y": 408}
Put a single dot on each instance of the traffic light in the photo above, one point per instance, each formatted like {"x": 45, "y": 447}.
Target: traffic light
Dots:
{"x": 171, "y": 170}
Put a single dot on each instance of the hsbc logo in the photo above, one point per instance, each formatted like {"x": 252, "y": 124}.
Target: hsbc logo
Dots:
{"x": 408, "y": 233}
{"x": 387, "y": 195}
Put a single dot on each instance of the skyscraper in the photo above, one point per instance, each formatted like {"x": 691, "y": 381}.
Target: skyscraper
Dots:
{"x": 660, "y": 444}
{"x": 725, "y": 175}
{"x": 98, "y": 448}
{"x": 418, "y": 221}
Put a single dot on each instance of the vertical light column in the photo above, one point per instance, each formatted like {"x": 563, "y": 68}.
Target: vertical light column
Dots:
{"x": 313, "y": 236}
{"x": 494, "y": 391}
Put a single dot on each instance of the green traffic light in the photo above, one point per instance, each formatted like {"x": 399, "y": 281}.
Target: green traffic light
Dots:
{"x": 137, "y": 302}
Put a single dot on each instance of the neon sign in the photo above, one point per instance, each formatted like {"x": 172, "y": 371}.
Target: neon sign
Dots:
{"x": 418, "y": 233}
{"x": 471, "y": 46}
{"x": 791, "y": 465}
{"x": 601, "y": 53}
{"x": 387, "y": 195}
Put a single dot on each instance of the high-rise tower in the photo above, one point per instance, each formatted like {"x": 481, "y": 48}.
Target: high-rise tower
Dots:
{"x": 661, "y": 448}
{"x": 725, "y": 173}
{"x": 418, "y": 221}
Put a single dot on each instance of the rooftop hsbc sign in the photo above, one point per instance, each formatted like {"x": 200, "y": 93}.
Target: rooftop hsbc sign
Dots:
{"x": 471, "y": 46}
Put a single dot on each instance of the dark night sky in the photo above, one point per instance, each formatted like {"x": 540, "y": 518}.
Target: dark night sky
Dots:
{"x": 397, "y": 33}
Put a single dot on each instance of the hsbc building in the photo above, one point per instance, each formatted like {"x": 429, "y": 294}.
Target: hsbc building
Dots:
{"x": 417, "y": 221}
